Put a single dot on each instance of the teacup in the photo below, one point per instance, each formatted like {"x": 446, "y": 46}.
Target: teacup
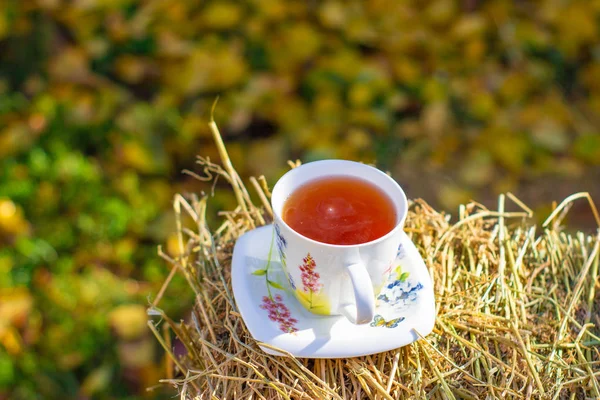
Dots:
{"x": 329, "y": 279}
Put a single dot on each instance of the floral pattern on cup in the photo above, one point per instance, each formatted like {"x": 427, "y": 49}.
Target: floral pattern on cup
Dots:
{"x": 310, "y": 278}
{"x": 291, "y": 281}
{"x": 401, "y": 292}
{"x": 401, "y": 295}
{"x": 281, "y": 245}
{"x": 310, "y": 294}
{"x": 279, "y": 313}
{"x": 400, "y": 253}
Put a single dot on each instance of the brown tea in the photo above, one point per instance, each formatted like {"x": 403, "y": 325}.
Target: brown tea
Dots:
{"x": 340, "y": 210}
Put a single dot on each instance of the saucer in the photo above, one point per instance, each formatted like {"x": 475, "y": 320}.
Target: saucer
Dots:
{"x": 274, "y": 316}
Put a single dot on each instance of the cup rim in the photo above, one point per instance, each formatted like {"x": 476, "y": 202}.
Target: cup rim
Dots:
{"x": 403, "y": 211}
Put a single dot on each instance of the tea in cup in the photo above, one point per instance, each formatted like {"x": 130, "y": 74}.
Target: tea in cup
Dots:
{"x": 338, "y": 226}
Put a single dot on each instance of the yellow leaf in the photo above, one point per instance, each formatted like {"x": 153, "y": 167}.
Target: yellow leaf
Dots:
{"x": 469, "y": 26}
{"x": 12, "y": 220}
{"x": 11, "y": 340}
{"x": 358, "y": 139}
{"x": 474, "y": 50}
{"x": 97, "y": 380}
{"x": 435, "y": 119}
{"x": 483, "y": 105}
{"x": 129, "y": 321}
{"x": 361, "y": 94}
{"x": 577, "y": 26}
{"x": 514, "y": 87}
{"x": 15, "y": 306}
{"x": 222, "y": 15}
{"x": 509, "y": 148}
{"x": 333, "y": 14}
{"x": 137, "y": 156}
{"x": 451, "y": 195}
{"x": 209, "y": 69}
{"x": 302, "y": 41}
{"x": 173, "y": 246}
{"x": 441, "y": 12}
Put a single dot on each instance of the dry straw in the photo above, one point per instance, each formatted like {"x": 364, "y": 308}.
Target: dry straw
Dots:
{"x": 517, "y": 310}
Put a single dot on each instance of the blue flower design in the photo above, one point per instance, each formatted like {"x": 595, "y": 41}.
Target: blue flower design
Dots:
{"x": 291, "y": 280}
{"x": 281, "y": 242}
{"x": 281, "y": 245}
{"x": 401, "y": 253}
{"x": 400, "y": 295}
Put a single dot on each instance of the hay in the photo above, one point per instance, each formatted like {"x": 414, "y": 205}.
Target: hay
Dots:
{"x": 518, "y": 310}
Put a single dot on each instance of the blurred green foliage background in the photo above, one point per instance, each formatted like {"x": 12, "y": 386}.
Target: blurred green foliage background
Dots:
{"x": 104, "y": 102}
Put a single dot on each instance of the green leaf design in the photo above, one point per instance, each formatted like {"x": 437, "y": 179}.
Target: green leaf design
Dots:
{"x": 275, "y": 285}
{"x": 404, "y": 276}
{"x": 398, "y": 271}
{"x": 260, "y": 272}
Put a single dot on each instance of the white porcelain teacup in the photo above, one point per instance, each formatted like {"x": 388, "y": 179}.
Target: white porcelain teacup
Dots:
{"x": 332, "y": 279}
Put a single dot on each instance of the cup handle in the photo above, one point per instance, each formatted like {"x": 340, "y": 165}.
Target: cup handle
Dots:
{"x": 364, "y": 296}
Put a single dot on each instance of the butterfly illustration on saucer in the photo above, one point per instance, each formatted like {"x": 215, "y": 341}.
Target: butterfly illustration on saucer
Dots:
{"x": 380, "y": 321}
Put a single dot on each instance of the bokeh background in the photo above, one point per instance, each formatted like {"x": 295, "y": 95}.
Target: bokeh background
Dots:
{"x": 104, "y": 102}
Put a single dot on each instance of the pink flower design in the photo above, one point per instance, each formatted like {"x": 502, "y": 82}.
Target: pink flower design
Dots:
{"x": 279, "y": 313}
{"x": 310, "y": 278}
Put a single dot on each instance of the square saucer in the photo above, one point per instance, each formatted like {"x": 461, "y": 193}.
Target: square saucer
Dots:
{"x": 274, "y": 316}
